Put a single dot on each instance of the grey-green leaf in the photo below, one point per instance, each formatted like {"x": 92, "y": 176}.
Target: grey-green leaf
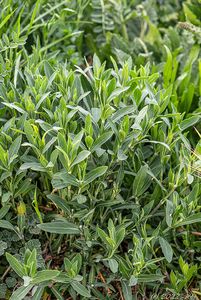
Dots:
{"x": 63, "y": 179}
{"x": 80, "y": 289}
{"x": 101, "y": 140}
{"x": 45, "y": 275}
{"x": 92, "y": 175}
{"x": 166, "y": 249}
{"x": 60, "y": 227}
{"x": 81, "y": 156}
{"x": 195, "y": 218}
{"x": 21, "y": 292}
{"x": 4, "y": 210}
{"x": 113, "y": 264}
{"x": 15, "y": 265}
{"x": 59, "y": 202}
{"x": 15, "y": 146}
{"x": 7, "y": 225}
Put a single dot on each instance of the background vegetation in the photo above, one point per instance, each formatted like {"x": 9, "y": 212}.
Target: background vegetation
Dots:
{"x": 100, "y": 149}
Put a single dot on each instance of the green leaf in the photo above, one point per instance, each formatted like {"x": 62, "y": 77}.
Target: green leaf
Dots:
{"x": 196, "y": 218}
{"x": 4, "y": 210}
{"x": 49, "y": 144}
{"x": 92, "y": 175}
{"x": 113, "y": 264}
{"x": 63, "y": 179}
{"x": 126, "y": 289}
{"x": 80, "y": 289}
{"x": 117, "y": 93}
{"x": 45, "y": 275}
{"x": 120, "y": 113}
{"x": 33, "y": 166}
{"x": 166, "y": 249}
{"x": 6, "y": 19}
{"x": 167, "y": 71}
{"x": 15, "y": 265}
{"x": 59, "y": 202}
{"x": 7, "y": 225}
{"x": 146, "y": 278}
{"x": 21, "y": 292}
{"x": 141, "y": 181}
{"x": 169, "y": 212}
{"x": 189, "y": 122}
{"x": 60, "y": 227}
{"x": 103, "y": 236}
{"x": 56, "y": 293}
{"x": 120, "y": 234}
{"x": 15, "y": 146}
{"x": 14, "y": 106}
{"x": 39, "y": 293}
{"x": 101, "y": 140}
{"x": 81, "y": 156}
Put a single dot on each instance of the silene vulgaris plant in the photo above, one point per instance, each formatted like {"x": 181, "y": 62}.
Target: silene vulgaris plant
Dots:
{"x": 95, "y": 167}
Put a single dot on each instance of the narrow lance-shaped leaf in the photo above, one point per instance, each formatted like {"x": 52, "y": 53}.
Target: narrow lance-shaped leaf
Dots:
{"x": 59, "y": 202}
{"x": 195, "y": 218}
{"x": 15, "y": 265}
{"x": 80, "y": 289}
{"x": 81, "y": 156}
{"x": 4, "y": 210}
{"x": 60, "y": 227}
{"x": 92, "y": 175}
{"x": 15, "y": 146}
{"x": 45, "y": 275}
{"x": 21, "y": 292}
{"x": 166, "y": 249}
{"x": 101, "y": 140}
{"x": 63, "y": 179}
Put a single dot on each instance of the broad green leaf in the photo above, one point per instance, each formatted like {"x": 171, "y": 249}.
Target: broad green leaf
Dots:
{"x": 7, "y": 225}
{"x": 81, "y": 156}
{"x": 101, "y": 140}
{"x": 141, "y": 181}
{"x": 6, "y": 197}
{"x": 126, "y": 289}
{"x": 14, "y": 106}
{"x": 49, "y": 144}
{"x": 15, "y": 265}
{"x": 104, "y": 237}
{"x": 132, "y": 280}
{"x": 80, "y": 289}
{"x": 195, "y": 218}
{"x": 63, "y": 179}
{"x": 120, "y": 234}
{"x": 33, "y": 166}
{"x": 38, "y": 293}
{"x": 59, "y": 202}
{"x": 21, "y": 292}
{"x": 45, "y": 275}
{"x": 4, "y": 210}
{"x": 92, "y": 175}
{"x": 117, "y": 93}
{"x": 189, "y": 122}
{"x": 60, "y": 227}
{"x": 113, "y": 264}
{"x": 120, "y": 113}
{"x": 166, "y": 249}
{"x": 15, "y": 146}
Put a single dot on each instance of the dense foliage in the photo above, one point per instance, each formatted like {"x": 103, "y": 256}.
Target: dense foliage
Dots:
{"x": 100, "y": 149}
